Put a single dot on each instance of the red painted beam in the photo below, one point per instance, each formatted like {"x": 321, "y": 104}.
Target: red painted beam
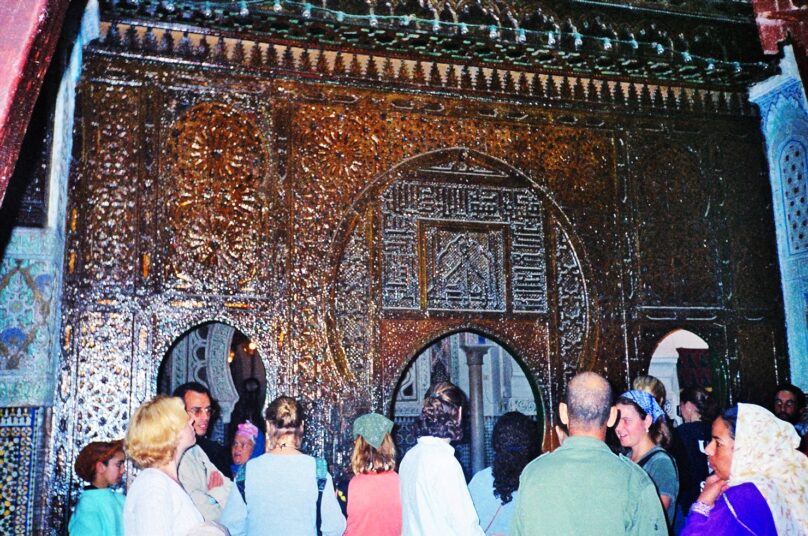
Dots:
{"x": 30, "y": 32}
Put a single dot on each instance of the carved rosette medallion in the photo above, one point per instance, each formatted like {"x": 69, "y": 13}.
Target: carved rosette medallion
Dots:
{"x": 217, "y": 162}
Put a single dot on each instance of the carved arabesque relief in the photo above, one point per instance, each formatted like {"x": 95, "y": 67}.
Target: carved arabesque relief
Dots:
{"x": 460, "y": 234}
{"x": 677, "y": 255}
{"x": 557, "y": 168}
{"x": 218, "y": 162}
{"x": 112, "y": 160}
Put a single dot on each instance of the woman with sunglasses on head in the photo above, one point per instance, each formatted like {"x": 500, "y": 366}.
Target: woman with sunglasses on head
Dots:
{"x": 284, "y": 492}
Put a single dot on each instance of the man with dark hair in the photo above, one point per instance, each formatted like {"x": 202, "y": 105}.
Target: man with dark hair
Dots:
{"x": 789, "y": 403}
{"x": 200, "y": 405}
{"x": 582, "y": 488}
{"x": 205, "y": 467}
{"x": 789, "y": 400}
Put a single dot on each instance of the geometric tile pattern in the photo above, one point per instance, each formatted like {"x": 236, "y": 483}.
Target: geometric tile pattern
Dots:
{"x": 17, "y": 468}
{"x": 792, "y": 171}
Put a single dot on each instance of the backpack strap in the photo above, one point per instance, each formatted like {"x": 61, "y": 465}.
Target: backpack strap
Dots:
{"x": 322, "y": 478}
{"x": 647, "y": 459}
{"x": 241, "y": 478}
{"x": 662, "y": 451}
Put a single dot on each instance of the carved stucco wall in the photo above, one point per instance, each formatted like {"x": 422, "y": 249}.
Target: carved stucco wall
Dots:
{"x": 784, "y": 121}
{"x": 323, "y": 221}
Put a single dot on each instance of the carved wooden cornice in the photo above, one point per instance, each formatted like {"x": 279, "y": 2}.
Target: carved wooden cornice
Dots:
{"x": 626, "y": 41}
{"x": 341, "y": 66}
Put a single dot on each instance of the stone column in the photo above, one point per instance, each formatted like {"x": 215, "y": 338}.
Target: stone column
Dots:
{"x": 476, "y": 416}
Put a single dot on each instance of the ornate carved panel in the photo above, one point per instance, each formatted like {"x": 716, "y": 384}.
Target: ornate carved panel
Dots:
{"x": 573, "y": 307}
{"x": 451, "y": 243}
{"x": 464, "y": 267}
{"x": 504, "y": 230}
{"x": 217, "y": 161}
{"x": 677, "y": 254}
{"x": 399, "y": 215}
{"x": 103, "y": 385}
{"x": 108, "y": 199}
{"x": 353, "y": 304}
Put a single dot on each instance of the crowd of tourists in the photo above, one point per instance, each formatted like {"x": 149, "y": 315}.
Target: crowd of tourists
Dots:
{"x": 621, "y": 467}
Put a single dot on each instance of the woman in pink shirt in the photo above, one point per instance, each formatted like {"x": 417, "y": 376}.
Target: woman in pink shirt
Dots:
{"x": 374, "y": 500}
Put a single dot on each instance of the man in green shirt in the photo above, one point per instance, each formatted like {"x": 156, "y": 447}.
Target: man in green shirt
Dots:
{"x": 582, "y": 488}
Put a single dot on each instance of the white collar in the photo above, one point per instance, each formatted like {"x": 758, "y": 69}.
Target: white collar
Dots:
{"x": 432, "y": 440}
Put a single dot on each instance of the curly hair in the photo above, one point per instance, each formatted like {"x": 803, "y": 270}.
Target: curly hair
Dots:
{"x": 659, "y": 431}
{"x": 285, "y": 416}
{"x": 440, "y": 412}
{"x": 516, "y": 443}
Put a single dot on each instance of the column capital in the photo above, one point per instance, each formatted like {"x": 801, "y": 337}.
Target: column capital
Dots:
{"x": 475, "y": 353}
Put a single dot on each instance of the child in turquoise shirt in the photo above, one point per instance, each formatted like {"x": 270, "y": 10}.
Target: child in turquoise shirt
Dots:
{"x": 99, "y": 511}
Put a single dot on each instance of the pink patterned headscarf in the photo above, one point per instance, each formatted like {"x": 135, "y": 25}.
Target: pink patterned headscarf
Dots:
{"x": 248, "y": 429}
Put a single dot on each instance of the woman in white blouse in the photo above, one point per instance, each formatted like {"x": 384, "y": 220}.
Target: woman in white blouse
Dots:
{"x": 157, "y": 505}
{"x": 434, "y": 496}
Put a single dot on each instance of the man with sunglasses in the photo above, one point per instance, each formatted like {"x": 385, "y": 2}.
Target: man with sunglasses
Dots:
{"x": 204, "y": 467}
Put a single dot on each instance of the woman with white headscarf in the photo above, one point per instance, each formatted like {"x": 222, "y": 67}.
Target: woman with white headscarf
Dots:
{"x": 760, "y": 484}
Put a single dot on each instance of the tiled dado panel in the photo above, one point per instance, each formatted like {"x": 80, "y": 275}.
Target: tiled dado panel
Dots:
{"x": 20, "y": 431}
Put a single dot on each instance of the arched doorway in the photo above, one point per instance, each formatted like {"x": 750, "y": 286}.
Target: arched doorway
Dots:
{"x": 489, "y": 375}
{"x": 225, "y": 360}
{"x": 682, "y": 359}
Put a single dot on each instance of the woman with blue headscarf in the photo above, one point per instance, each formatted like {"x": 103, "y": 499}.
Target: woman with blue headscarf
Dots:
{"x": 643, "y": 431}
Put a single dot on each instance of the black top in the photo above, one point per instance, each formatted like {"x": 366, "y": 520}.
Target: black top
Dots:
{"x": 217, "y": 454}
{"x": 691, "y": 461}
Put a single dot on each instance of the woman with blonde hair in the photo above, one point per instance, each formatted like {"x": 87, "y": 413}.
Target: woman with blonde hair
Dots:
{"x": 434, "y": 496}
{"x": 157, "y": 505}
{"x": 653, "y": 385}
{"x": 284, "y": 492}
{"x": 374, "y": 500}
